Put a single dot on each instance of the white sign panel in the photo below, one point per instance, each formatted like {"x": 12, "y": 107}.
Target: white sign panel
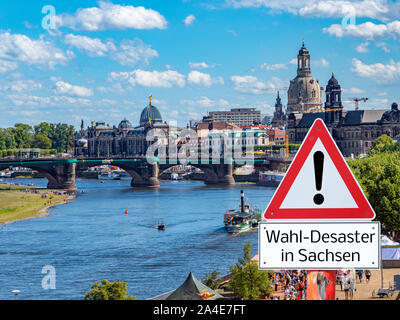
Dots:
{"x": 319, "y": 246}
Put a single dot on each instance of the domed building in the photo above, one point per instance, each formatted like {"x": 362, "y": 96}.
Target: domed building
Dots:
{"x": 353, "y": 130}
{"x": 304, "y": 91}
{"x": 150, "y": 115}
{"x": 124, "y": 140}
{"x": 124, "y": 125}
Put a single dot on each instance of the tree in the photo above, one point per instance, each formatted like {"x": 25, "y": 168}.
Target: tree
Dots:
{"x": 211, "y": 280}
{"x": 379, "y": 176}
{"x": 382, "y": 144}
{"x": 248, "y": 282}
{"x": 42, "y": 142}
{"x": 108, "y": 291}
{"x": 9, "y": 138}
{"x": 22, "y": 135}
{"x": 44, "y": 129}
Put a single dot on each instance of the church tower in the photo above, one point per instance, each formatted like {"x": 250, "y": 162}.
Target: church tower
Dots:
{"x": 303, "y": 62}
{"x": 333, "y": 104}
{"x": 279, "y": 116}
{"x": 304, "y": 91}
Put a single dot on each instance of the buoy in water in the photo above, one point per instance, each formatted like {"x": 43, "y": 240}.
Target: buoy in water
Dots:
{"x": 126, "y": 211}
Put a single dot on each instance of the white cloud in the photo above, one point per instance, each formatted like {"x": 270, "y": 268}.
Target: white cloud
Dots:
{"x": 164, "y": 79}
{"x": 375, "y": 9}
{"x": 18, "y": 48}
{"x": 92, "y": 46}
{"x": 111, "y": 16}
{"x": 199, "y": 78}
{"x": 363, "y": 47}
{"x": 189, "y": 20}
{"x": 199, "y": 65}
{"x": 7, "y": 65}
{"x": 353, "y": 90}
{"x": 382, "y": 45}
{"x": 378, "y": 72}
{"x": 368, "y": 30}
{"x": 69, "y": 89}
{"x": 379, "y": 103}
{"x": 251, "y": 84}
{"x": 161, "y": 79}
{"x": 205, "y": 102}
{"x": 129, "y": 52}
{"x": 271, "y": 67}
{"x": 21, "y": 86}
{"x": 321, "y": 63}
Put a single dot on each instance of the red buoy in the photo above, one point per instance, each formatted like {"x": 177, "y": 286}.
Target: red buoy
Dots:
{"x": 126, "y": 211}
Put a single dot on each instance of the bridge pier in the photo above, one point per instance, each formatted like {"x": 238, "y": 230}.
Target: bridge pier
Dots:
{"x": 222, "y": 174}
{"x": 145, "y": 176}
{"x": 60, "y": 177}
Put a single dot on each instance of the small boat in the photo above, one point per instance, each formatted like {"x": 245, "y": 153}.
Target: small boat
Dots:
{"x": 175, "y": 176}
{"x": 107, "y": 176}
{"x": 161, "y": 225}
{"x": 123, "y": 175}
{"x": 270, "y": 178}
{"x": 241, "y": 220}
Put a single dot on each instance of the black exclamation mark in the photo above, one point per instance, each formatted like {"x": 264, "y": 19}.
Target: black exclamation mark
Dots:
{"x": 318, "y": 170}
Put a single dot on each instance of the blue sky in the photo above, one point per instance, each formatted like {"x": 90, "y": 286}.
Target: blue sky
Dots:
{"x": 102, "y": 59}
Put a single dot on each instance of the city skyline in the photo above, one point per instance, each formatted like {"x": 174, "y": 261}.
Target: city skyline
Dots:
{"x": 96, "y": 62}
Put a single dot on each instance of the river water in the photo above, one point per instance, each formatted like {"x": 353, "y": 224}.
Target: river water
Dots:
{"x": 91, "y": 238}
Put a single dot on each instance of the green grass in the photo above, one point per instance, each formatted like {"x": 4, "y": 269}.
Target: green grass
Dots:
{"x": 16, "y": 204}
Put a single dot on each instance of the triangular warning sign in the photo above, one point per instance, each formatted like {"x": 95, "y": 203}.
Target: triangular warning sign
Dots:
{"x": 319, "y": 185}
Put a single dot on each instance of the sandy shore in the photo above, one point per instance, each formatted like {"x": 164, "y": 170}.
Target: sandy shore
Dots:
{"x": 45, "y": 211}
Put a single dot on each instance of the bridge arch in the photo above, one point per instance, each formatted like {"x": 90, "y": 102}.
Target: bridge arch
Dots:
{"x": 214, "y": 173}
{"x": 58, "y": 176}
{"x": 142, "y": 175}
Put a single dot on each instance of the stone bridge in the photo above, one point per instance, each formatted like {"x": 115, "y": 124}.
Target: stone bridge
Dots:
{"x": 61, "y": 173}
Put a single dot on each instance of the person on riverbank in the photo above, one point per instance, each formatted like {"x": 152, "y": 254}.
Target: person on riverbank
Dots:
{"x": 360, "y": 275}
{"x": 341, "y": 280}
{"x": 352, "y": 283}
{"x": 367, "y": 275}
{"x": 346, "y": 286}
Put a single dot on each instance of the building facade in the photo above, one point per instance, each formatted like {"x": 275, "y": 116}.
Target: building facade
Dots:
{"x": 101, "y": 140}
{"x": 353, "y": 130}
{"x": 238, "y": 116}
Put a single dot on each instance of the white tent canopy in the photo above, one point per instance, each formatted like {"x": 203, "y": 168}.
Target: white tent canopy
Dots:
{"x": 390, "y": 249}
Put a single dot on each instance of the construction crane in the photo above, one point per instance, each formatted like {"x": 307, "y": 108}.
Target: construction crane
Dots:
{"x": 357, "y": 100}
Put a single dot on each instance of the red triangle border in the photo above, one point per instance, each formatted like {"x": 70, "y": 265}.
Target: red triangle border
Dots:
{"x": 364, "y": 210}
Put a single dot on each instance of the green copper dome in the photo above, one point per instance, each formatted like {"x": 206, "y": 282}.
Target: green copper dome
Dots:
{"x": 150, "y": 113}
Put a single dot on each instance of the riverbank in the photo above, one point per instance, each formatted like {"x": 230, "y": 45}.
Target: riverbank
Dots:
{"x": 22, "y": 202}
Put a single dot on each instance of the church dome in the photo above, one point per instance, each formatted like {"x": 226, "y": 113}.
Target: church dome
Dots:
{"x": 303, "y": 51}
{"x": 150, "y": 114}
{"x": 333, "y": 81}
{"x": 124, "y": 124}
{"x": 304, "y": 91}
